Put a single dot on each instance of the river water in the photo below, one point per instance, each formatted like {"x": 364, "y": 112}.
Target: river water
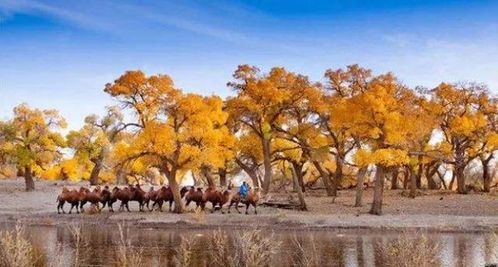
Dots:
{"x": 98, "y": 246}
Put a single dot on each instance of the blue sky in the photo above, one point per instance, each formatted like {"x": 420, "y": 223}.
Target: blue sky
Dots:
{"x": 59, "y": 54}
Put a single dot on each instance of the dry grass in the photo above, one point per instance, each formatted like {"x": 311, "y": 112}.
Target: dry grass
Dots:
{"x": 250, "y": 249}
{"x": 80, "y": 245}
{"x": 185, "y": 252}
{"x": 406, "y": 251}
{"x": 198, "y": 215}
{"x": 58, "y": 261}
{"x": 17, "y": 251}
{"x": 491, "y": 249}
{"x": 302, "y": 256}
{"x": 126, "y": 254}
{"x": 221, "y": 253}
{"x": 257, "y": 248}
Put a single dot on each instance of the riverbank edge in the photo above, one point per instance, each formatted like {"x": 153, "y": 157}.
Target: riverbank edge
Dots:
{"x": 291, "y": 222}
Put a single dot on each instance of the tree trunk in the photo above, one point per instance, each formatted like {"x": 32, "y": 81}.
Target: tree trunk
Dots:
{"x": 453, "y": 178}
{"x": 486, "y": 176}
{"x": 420, "y": 172}
{"x": 441, "y": 177}
{"x": 28, "y": 179}
{"x": 223, "y": 176}
{"x": 459, "y": 170}
{"x": 325, "y": 179}
{"x": 460, "y": 177}
{"x": 413, "y": 184}
{"x": 406, "y": 177}
{"x": 394, "y": 179}
{"x": 94, "y": 175}
{"x": 378, "y": 191}
{"x": 430, "y": 172}
{"x": 250, "y": 172}
{"x": 338, "y": 175}
{"x": 254, "y": 178}
{"x": 175, "y": 188}
{"x": 334, "y": 186}
{"x": 298, "y": 172}
{"x": 267, "y": 165}
{"x": 359, "y": 185}
{"x": 299, "y": 192}
{"x": 206, "y": 172}
{"x": 300, "y": 180}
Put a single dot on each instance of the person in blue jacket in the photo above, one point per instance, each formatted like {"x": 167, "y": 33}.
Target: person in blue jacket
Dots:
{"x": 243, "y": 190}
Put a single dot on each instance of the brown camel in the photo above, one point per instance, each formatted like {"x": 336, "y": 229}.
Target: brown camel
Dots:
{"x": 216, "y": 198}
{"x": 70, "y": 196}
{"x": 124, "y": 195}
{"x": 194, "y": 196}
{"x": 165, "y": 194}
{"x": 252, "y": 198}
{"x": 94, "y": 197}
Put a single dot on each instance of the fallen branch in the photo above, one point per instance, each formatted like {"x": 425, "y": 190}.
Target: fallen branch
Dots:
{"x": 282, "y": 205}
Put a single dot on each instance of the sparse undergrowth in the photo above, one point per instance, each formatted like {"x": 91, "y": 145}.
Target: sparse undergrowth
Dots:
{"x": 248, "y": 248}
{"x": 407, "y": 251}
{"x": 126, "y": 254}
{"x": 17, "y": 251}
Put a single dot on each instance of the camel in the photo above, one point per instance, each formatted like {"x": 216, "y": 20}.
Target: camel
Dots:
{"x": 252, "y": 198}
{"x": 216, "y": 198}
{"x": 194, "y": 196}
{"x": 70, "y": 196}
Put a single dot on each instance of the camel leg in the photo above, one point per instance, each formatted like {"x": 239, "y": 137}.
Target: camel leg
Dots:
{"x": 152, "y": 208}
{"x": 81, "y": 205}
{"x": 78, "y": 211}
{"x": 229, "y": 206}
{"x": 255, "y": 208}
{"x": 188, "y": 202}
{"x": 110, "y": 207}
{"x": 127, "y": 207}
{"x": 159, "y": 205}
{"x": 170, "y": 205}
{"x": 71, "y": 210}
{"x": 61, "y": 206}
{"x": 121, "y": 207}
{"x": 237, "y": 207}
{"x": 247, "y": 207}
{"x": 214, "y": 207}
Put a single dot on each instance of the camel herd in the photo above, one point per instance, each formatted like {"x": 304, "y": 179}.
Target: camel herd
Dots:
{"x": 105, "y": 196}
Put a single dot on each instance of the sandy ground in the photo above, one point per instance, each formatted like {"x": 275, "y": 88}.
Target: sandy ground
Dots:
{"x": 439, "y": 211}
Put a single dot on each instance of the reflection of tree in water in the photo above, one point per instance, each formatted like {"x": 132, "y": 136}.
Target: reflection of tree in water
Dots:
{"x": 98, "y": 245}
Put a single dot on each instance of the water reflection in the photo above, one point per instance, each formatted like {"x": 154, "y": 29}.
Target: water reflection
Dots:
{"x": 99, "y": 246}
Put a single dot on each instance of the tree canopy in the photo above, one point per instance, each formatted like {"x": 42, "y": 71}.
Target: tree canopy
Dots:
{"x": 275, "y": 125}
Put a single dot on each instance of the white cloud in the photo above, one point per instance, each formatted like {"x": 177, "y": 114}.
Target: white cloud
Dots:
{"x": 428, "y": 61}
